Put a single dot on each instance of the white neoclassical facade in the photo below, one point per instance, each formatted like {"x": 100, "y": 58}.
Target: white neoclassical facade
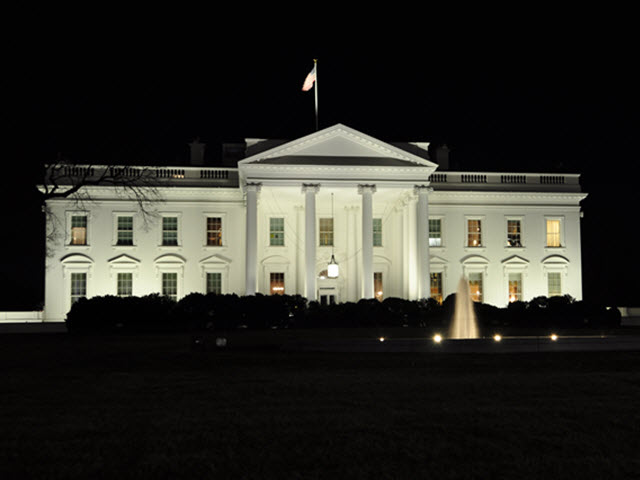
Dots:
{"x": 396, "y": 225}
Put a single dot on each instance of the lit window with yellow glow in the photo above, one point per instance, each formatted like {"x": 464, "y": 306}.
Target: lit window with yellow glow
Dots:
{"x": 436, "y": 286}
{"x": 377, "y": 286}
{"x": 474, "y": 233}
{"x": 214, "y": 231}
{"x": 553, "y": 233}
{"x": 79, "y": 230}
{"x": 515, "y": 287}
{"x": 475, "y": 286}
{"x": 276, "y": 282}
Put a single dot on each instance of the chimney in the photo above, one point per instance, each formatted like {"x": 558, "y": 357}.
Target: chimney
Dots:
{"x": 197, "y": 152}
{"x": 442, "y": 157}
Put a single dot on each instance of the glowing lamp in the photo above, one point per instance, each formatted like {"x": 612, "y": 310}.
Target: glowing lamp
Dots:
{"x": 497, "y": 337}
{"x": 332, "y": 269}
{"x": 381, "y": 339}
{"x": 554, "y": 337}
{"x": 437, "y": 338}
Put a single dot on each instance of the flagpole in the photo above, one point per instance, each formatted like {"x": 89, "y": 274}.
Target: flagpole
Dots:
{"x": 315, "y": 89}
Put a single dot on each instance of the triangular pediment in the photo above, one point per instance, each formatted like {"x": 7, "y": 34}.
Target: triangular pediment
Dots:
{"x": 515, "y": 260}
{"x": 338, "y": 145}
{"x": 123, "y": 259}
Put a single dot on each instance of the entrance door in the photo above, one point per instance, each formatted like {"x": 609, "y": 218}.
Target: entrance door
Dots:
{"x": 328, "y": 295}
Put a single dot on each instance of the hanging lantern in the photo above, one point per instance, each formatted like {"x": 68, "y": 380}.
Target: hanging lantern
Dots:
{"x": 332, "y": 269}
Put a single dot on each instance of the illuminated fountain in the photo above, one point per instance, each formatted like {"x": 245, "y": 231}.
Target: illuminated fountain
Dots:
{"x": 464, "y": 324}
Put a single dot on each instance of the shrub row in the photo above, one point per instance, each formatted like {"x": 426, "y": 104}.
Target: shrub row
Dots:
{"x": 198, "y": 312}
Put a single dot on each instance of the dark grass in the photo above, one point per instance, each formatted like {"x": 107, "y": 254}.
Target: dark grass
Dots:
{"x": 153, "y": 407}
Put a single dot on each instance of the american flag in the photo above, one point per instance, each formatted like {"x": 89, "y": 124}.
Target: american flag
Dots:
{"x": 311, "y": 78}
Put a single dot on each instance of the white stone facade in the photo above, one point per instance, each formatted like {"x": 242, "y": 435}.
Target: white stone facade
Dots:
{"x": 272, "y": 224}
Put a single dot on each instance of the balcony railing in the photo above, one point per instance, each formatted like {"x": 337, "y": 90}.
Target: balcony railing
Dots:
{"x": 505, "y": 181}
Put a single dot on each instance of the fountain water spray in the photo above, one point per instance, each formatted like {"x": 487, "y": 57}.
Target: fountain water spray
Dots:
{"x": 464, "y": 324}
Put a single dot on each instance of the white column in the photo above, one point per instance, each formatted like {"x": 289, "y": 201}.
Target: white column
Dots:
{"x": 351, "y": 261}
{"x": 422, "y": 241}
{"x": 310, "y": 191}
{"x": 367, "y": 192}
{"x": 251, "y": 267}
{"x": 299, "y": 209}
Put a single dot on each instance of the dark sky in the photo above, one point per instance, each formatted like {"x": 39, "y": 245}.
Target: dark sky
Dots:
{"x": 556, "y": 94}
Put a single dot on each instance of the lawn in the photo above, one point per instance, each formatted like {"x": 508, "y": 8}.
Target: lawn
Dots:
{"x": 155, "y": 407}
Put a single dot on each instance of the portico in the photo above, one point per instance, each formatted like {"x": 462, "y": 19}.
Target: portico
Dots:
{"x": 377, "y": 189}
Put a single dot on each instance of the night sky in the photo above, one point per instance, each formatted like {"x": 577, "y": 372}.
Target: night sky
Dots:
{"x": 540, "y": 98}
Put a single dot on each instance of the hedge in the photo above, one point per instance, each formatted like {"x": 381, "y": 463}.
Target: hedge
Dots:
{"x": 200, "y": 312}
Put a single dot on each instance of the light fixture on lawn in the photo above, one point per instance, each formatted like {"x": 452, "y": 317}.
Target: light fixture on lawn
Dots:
{"x": 332, "y": 269}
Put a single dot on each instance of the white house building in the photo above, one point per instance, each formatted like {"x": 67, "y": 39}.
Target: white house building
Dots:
{"x": 396, "y": 224}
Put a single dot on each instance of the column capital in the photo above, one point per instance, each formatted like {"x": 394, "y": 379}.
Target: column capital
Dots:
{"x": 310, "y": 187}
{"x": 364, "y": 188}
{"x": 252, "y": 186}
{"x": 418, "y": 189}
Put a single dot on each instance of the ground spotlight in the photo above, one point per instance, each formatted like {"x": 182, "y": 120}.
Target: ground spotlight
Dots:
{"x": 381, "y": 339}
{"x": 554, "y": 337}
{"x": 437, "y": 338}
{"x": 497, "y": 337}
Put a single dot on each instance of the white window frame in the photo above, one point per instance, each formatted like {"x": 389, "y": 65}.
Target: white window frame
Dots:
{"x": 382, "y": 229}
{"x": 223, "y": 226}
{"x": 277, "y": 264}
{"x": 89, "y": 232}
{"x": 483, "y": 233}
{"x": 515, "y": 264}
{"x": 477, "y": 264}
{"x": 520, "y": 219}
{"x": 124, "y": 264}
{"x": 114, "y": 240}
{"x": 215, "y": 264}
{"x": 76, "y": 263}
{"x": 284, "y": 224}
{"x": 123, "y": 272}
{"x": 438, "y": 265}
{"x": 333, "y": 232}
{"x": 441, "y": 218}
{"x": 170, "y": 263}
{"x": 177, "y": 215}
{"x": 559, "y": 218}
{"x": 556, "y": 264}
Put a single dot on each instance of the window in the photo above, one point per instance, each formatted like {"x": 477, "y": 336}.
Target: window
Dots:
{"x": 214, "y": 231}
{"x": 214, "y": 282}
{"x": 553, "y": 233}
{"x": 326, "y": 232}
{"x": 435, "y": 232}
{"x": 377, "y": 286}
{"x": 169, "y": 230}
{"x": 276, "y": 232}
{"x": 124, "y": 232}
{"x": 514, "y": 232}
{"x": 170, "y": 285}
{"x": 475, "y": 286}
{"x": 515, "y": 287}
{"x": 377, "y": 232}
{"x": 78, "y": 230}
{"x": 276, "y": 281}
{"x": 474, "y": 233}
{"x": 124, "y": 284}
{"x": 436, "y": 286}
{"x": 78, "y": 286}
{"x": 554, "y": 284}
